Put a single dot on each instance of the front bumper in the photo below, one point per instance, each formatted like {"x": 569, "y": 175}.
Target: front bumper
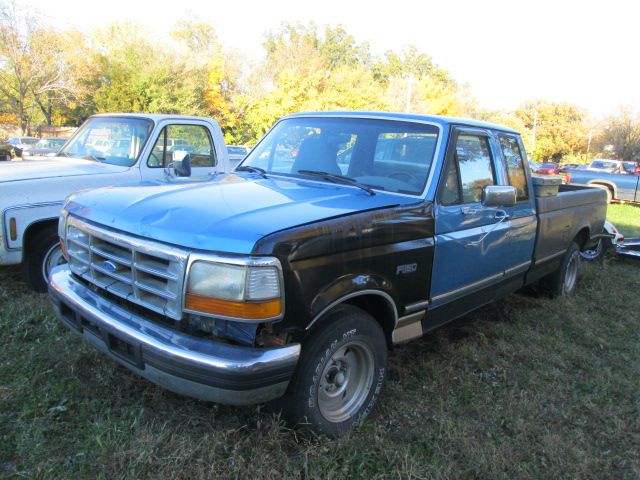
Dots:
{"x": 196, "y": 367}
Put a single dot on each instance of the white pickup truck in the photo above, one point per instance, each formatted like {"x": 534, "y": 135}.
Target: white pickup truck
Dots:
{"x": 108, "y": 149}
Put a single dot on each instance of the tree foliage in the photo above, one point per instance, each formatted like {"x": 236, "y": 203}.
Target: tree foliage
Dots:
{"x": 619, "y": 136}
{"x": 63, "y": 76}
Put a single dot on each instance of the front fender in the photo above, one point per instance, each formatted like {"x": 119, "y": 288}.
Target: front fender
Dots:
{"x": 349, "y": 286}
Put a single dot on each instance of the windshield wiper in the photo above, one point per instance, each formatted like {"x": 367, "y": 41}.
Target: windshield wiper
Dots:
{"x": 248, "y": 168}
{"x": 332, "y": 177}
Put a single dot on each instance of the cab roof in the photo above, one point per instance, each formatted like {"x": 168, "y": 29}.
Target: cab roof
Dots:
{"x": 437, "y": 119}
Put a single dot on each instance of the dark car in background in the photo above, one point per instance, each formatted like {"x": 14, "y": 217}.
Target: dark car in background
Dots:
{"x": 46, "y": 147}
{"x": 19, "y": 144}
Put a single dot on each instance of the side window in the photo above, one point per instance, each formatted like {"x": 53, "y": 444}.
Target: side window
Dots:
{"x": 194, "y": 139}
{"x": 515, "y": 165}
{"x": 470, "y": 170}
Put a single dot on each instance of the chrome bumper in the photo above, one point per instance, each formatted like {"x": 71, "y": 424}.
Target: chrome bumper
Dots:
{"x": 184, "y": 364}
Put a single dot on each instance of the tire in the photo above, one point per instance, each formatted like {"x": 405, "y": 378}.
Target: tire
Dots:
{"x": 598, "y": 251}
{"x": 563, "y": 281}
{"x": 340, "y": 374}
{"x": 43, "y": 253}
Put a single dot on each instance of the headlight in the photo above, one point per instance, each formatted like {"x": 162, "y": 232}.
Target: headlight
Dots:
{"x": 251, "y": 291}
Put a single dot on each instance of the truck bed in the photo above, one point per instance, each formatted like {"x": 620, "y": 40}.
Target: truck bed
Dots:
{"x": 563, "y": 217}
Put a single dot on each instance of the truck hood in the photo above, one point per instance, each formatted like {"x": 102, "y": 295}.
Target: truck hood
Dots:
{"x": 54, "y": 167}
{"x": 226, "y": 214}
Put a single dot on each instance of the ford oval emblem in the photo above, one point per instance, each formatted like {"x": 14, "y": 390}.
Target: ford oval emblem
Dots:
{"x": 109, "y": 266}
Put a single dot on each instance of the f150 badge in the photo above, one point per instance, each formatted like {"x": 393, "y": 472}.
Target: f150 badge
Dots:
{"x": 408, "y": 268}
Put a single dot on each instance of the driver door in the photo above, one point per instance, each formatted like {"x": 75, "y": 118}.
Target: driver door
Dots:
{"x": 192, "y": 138}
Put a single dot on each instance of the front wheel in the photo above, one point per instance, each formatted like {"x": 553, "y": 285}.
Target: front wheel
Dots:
{"x": 43, "y": 254}
{"x": 340, "y": 373}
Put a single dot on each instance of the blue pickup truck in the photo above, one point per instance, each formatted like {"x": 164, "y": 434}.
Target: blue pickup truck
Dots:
{"x": 617, "y": 186}
{"x": 340, "y": 235}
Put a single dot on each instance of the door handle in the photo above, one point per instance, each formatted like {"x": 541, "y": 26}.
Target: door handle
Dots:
{"x": 469, "y": 211}
{"x": 501, "y": 216}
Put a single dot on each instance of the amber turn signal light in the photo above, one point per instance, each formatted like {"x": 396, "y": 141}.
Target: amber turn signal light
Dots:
{"x": 226, "y": 308}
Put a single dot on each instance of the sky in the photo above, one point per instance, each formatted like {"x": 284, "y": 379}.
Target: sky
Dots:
{"x": 508, "y": 52}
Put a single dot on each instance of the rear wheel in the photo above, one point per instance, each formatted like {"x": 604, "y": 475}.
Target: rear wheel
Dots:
{"x": 563, "y": 281}
{"x": 340, "y": 373}
{"x": 43, "y": 254}
{"x": 598, "y": 251}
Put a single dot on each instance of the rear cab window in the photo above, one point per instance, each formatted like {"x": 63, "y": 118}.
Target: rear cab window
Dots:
{"x": 514, "y": 161}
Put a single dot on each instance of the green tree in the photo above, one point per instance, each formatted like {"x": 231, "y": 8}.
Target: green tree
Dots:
{"x": 561, "y": 129}
{"x": 619, "y": 135}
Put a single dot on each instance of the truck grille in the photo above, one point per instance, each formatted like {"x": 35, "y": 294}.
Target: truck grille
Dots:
{"x": 144, "y": 272}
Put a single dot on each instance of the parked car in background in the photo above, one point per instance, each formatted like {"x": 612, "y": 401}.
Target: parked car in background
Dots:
{"x": 6, "y": 151}
{"x": 564, "y": 167}
{"x": 236, "y": 154}
{"x": 618, "y": 186}
{"x": 20, "y": 143}
{"x": 631, "y": 168}
{"x": 105, "y": 150}
{"x": 548, "y": 169}
{"x": 292, "y": 277}
{"x": 606, "y": 166}
{"x": 534, "y": 166}
{"x": 46, "y": 147}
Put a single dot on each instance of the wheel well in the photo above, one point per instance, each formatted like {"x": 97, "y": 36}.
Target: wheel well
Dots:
{"x": 582, "y": 237}
{"x": 34, "y": 229}
{"x": 376, "y": 306}
{"x": 608, "y": 186}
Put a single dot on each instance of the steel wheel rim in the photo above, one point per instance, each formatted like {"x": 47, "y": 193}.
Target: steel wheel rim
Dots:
{"x": 572, "y": 273}
{"x": 594, "y": 252}
{"x": 52, "y": 258}
{"x": 345, "y": 381}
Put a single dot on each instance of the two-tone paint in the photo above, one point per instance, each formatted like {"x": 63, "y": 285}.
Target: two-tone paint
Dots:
{"x": 622, "y": 186}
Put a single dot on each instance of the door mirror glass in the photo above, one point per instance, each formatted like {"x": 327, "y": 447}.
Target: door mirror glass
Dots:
{"x": 498, "y": 196}
{"x": 181, "y": 163}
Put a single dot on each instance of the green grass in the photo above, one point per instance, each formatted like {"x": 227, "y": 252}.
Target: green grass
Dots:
{"x": 626, "y": 218}
{"x": 526, "y": 388}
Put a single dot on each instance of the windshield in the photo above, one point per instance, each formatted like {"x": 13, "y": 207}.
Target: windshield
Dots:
{"x": 114, "y": 140}
{"x": 386, "y": 155}
{"x": 601, "y": 164}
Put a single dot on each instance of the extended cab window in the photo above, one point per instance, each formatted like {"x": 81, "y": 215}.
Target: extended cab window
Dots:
{"x": 515, "y": 165}
{"x": 470, "y": 170}
{"x": 193, "y": 139}
{"x": 389, "y": 155}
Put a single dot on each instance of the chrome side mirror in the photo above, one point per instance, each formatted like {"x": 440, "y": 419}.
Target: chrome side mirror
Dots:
{"x": 181, "y": 163}
{"x": 498, "y": 196}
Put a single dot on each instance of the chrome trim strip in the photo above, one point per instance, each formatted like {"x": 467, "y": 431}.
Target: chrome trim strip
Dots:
{"x": 337, "y": 302}
{"x": 414, "y": 307}
{"x": 471, "y": 286}
{"x": 517, "y": 269}
{"x": 548, "y": 257}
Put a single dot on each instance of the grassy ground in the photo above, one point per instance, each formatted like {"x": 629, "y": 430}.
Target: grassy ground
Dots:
{"x": 526, "y": 388}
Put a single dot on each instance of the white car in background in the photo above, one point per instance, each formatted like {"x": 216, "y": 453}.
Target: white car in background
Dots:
{"x": 236, "y": 154}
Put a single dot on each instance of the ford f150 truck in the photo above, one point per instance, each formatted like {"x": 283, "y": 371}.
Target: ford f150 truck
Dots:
{"x": 338, "y": 236}
{"x": 617, "y": 186}
{"x": 106, "y": 150}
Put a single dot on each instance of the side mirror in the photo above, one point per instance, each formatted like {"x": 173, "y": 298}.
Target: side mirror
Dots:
{"x": 498, "y": 196}
{"x": 181, "y": 163}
